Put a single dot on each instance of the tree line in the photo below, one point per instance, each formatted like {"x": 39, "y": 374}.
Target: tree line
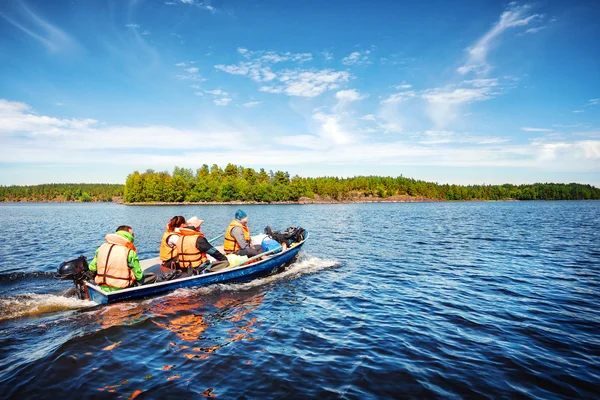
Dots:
{"x": 237, "y": 183}
{"x": 82, "y": 192}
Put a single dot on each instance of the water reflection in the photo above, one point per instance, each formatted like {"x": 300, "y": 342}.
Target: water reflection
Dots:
{"x": 205, "y": 328}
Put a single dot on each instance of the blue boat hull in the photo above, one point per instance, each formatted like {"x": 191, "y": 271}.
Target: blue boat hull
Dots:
{"x": 239, "y": 274}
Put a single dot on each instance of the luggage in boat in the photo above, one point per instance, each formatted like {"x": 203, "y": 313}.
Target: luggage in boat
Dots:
{"x": 270, "y": 244}
{"x": 234, "y": 259}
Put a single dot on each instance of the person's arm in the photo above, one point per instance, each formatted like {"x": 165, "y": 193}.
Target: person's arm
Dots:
{"x": 134, "y": 264}
{"x": 238, "y": 235}
{"x": 93, "y": 266}
{"x": 205, "y": 247}
{"x": 172, "y": 240}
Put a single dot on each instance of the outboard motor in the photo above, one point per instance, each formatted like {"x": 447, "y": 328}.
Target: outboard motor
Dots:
{"x": 77, "y": 271}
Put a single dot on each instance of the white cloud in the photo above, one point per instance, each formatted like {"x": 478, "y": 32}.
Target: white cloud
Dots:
{"x": 593, "y": 102}
{"x": 18, "y": 117}
{"x": 403, "y": 86}
{"x": 181, "y": 64}
{"x": 251, "y": 104}
{"x": 398, "y": 97}
{"x": 328, "y": 55}
{"x": 441, "y": 105}
{"x": 535, "y": 30}
{"x": 357, "y": 58}
{"x": 192, "y": 70}
{"x": 199, "y": 94}
{"x": 331, "y": 131}
{"x": 368, "y": 117}
{"x": 578, "y": 111}
{"x": 134, "y": 26}
{"x": 146, "y": 32}
{"x": 197, "y": 87}
{"x": 529, "y": 129}
{"x": 307, "y": 83}
{"x": 217, "y": 92}
{"x": 26, "y": 136}
{"x": 349, "y": 95}
{"x": 514, "y": 16}
{"x": 222, "y": 101}
{"x": 293, "y": 82}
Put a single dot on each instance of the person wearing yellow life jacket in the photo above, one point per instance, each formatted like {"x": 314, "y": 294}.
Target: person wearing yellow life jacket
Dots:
{"x": 116, "y": 262}
{"x": 168, "y": 244}
{"x": 237, "y": 237}
{"x": 192, "y": 248}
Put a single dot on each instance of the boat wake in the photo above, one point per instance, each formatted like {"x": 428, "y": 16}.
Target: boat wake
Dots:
{"x": 306, "y": 264}
{"x": 29, "y": 304}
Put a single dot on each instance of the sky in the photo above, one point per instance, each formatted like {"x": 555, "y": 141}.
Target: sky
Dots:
{"x": 465, "y": 92}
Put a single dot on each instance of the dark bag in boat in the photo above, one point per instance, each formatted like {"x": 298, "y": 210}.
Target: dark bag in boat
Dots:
{"x": 289, "y": 236}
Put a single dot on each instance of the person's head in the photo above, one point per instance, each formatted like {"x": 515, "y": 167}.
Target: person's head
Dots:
{"x": 241, "y": 216}
{"x": 175, "y": 222}
{"x": 194, "y": 222}
{"x": 125, "y": 228}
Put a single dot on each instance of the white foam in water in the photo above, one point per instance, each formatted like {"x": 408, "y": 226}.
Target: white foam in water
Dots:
{"x": 28, "y": 304}
{"x": 306, "y": 264}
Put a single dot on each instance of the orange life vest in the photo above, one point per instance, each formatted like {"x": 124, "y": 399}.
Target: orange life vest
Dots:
{"x": 230, "y": 245}
{"x": 189, "y": 255}
{"x": 113, "y": 267}
{"x": 167, "y": 252}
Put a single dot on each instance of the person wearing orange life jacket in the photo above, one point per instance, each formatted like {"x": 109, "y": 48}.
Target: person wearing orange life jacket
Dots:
{"x": 237, "y": 237}
{"x": 192, "y": 248}
{"x": 116, "y": 262}
{"x": 168, "y": 244}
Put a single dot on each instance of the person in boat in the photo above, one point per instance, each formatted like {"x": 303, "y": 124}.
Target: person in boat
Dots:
{"x": 116, "y": 262}
{"x": 237, "y": 237}
{"x": 192, "y": 249}
{"x": 168, "y": 243}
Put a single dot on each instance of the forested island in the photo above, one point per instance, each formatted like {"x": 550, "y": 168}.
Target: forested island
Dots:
{"x": 239, "y": 184}
{"x": 62, "y": 192}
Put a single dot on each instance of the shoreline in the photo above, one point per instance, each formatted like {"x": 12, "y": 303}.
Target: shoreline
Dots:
{"x": 301, "y": 201}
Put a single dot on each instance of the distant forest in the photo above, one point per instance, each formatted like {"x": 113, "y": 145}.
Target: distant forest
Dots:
{"x": 62, "y": 192}
{"x": 236, "y": 183}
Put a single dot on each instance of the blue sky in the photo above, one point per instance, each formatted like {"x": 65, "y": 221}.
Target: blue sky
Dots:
{"x": 458, "y": 92}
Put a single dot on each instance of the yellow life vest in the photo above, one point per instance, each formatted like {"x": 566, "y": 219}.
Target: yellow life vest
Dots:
{"x": 230, "y": 245}
{"x": 113, "y": 267}
{"x": 167, "y": 252}
{"x": 189, "y": 255}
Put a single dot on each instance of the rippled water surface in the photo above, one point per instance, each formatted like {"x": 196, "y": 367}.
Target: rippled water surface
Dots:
{"x": 443, "y": 300}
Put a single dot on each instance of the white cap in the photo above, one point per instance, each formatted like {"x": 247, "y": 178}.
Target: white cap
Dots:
{"x": 194, "y": 221}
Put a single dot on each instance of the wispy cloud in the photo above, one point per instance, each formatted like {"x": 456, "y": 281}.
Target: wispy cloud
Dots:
{"x": 350, "y": 95}
{"x": 514, "y": 16}
{"x": 357, "y": 58}
{"x": 203, "y": 5}
{"x": 251, "y": 104}
{"x": 441, "y": 105}
{"x": 27, "y": 136}
{"x": 328, "y": 55}
{"x": 578, "y": 111}
{"x": 222, "y": 98}
{"x": 50, "y": 36}
{"x": 261, "y": 67}
{"x": 530, "y": 129}
{"x": 132, "y": 26}
{"x": 305, "y": 83}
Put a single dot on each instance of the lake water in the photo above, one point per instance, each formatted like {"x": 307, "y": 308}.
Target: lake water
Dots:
{"x": 409, "y": 300}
